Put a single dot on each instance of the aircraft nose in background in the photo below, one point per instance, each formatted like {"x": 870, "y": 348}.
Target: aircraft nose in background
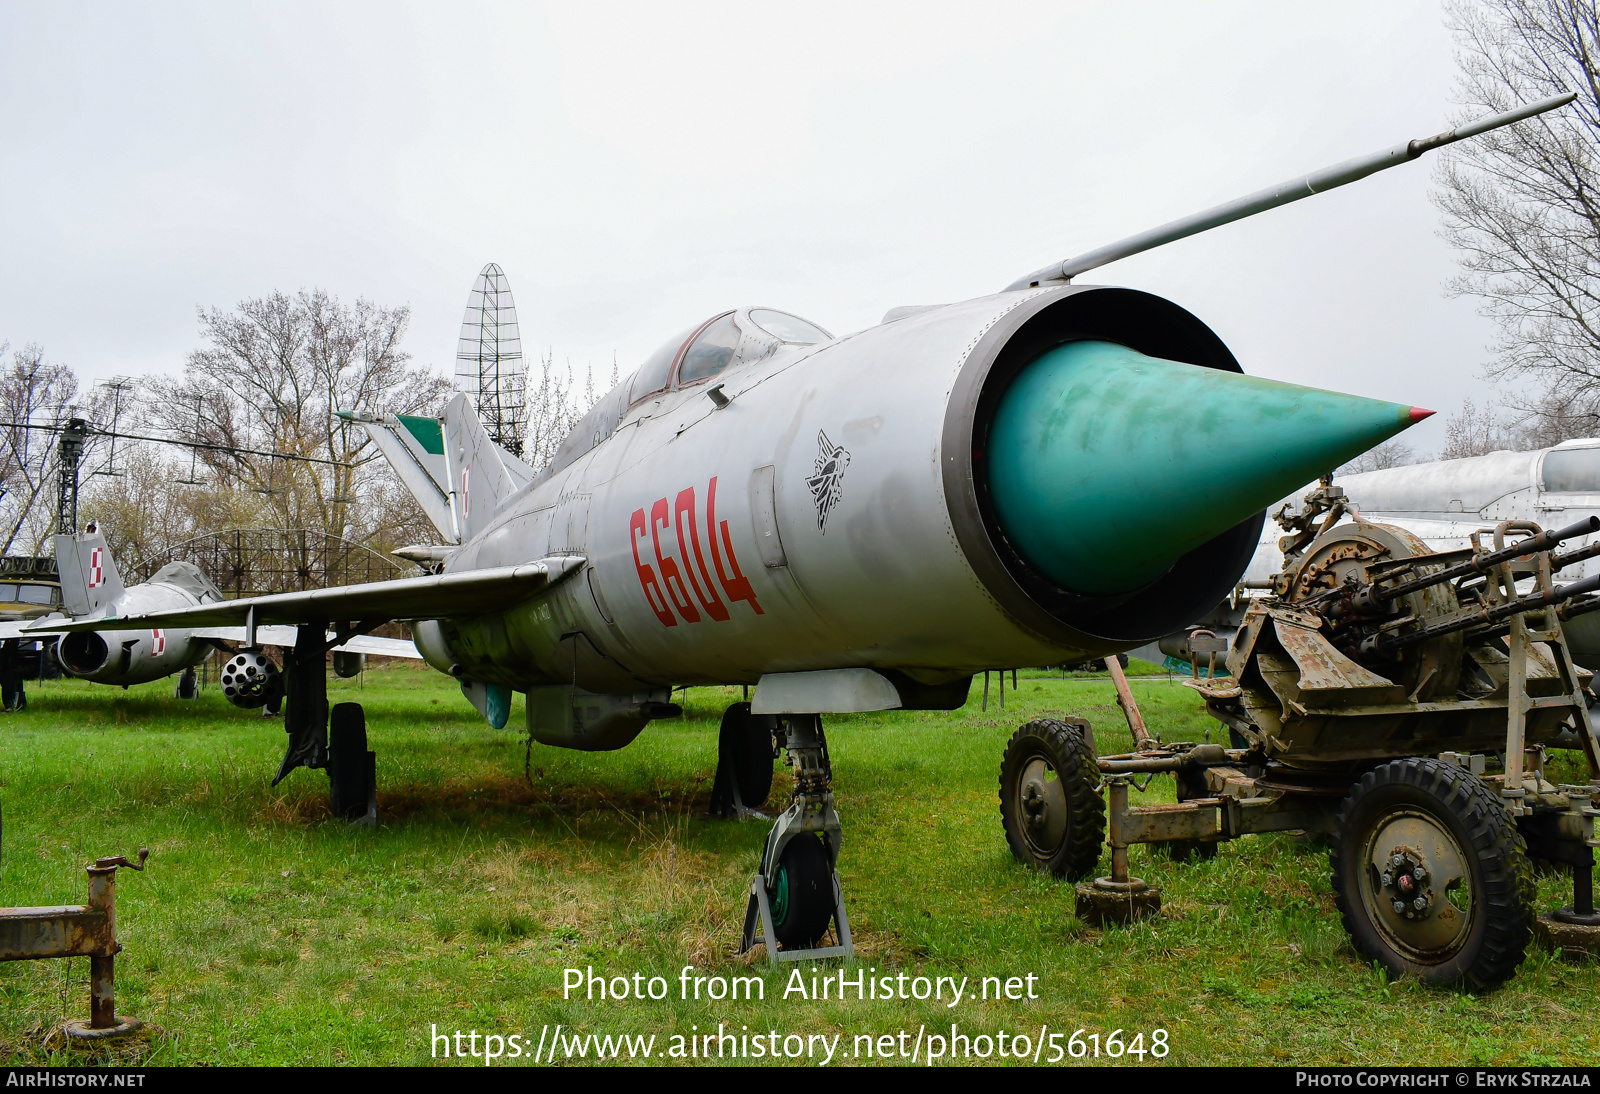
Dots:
{"x": 1095, "y": 444}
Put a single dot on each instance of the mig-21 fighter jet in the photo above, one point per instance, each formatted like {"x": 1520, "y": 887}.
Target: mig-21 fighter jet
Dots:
{"x": 1050, "y": 473}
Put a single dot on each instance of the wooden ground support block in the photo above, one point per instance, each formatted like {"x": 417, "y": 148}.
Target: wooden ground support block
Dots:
{"x": 1574, "y": 941}
{"x": 1107, "y": 903}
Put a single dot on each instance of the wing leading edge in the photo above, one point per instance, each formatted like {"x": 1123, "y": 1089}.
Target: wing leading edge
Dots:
{"x": 436, "y": 596}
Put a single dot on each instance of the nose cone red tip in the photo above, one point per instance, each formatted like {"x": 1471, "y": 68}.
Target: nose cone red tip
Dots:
{"x": 1417, "y": 414}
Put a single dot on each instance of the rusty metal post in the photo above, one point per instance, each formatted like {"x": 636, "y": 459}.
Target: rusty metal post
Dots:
{"x": 78, "y": 930}
{"x": 1117, "y": 800}
{"x": 1130, "y": 709}
{"x": 102, "y": 966}
{"x": 1118, "y": 899}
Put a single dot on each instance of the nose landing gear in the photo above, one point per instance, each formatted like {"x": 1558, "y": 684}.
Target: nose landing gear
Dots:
{"x": 796, "y": 894}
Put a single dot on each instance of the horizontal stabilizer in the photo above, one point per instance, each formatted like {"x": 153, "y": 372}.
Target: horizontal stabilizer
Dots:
{"x": 414, "y": 447}
{"x": 436, "y": 596}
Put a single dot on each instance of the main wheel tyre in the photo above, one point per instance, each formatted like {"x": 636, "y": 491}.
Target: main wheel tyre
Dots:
{"x": 347, "y": 760}
{"x": 747, "y": 741}
{"x": 802, "y": 900}
{"x": 1431, "y": 876}
{"x": 1053, "y": 817}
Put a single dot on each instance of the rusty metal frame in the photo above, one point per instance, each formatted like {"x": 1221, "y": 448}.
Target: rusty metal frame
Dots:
{"x": 77, "y": 930}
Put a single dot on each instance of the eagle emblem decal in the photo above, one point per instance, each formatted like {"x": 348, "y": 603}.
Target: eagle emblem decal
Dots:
{"x": 827, "y": 478}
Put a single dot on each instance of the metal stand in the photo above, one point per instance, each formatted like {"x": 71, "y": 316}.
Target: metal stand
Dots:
{"x": 1524, "y": 634}
{"x": 759, "y": 912}
{"x": 1118, "y": 899}
{"x": 810, "y": 811}
{"x": 369, "y": 819}
{"x": 78, "y": 930}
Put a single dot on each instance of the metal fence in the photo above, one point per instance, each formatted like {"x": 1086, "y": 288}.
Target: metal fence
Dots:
{"x": 257, "y": 561}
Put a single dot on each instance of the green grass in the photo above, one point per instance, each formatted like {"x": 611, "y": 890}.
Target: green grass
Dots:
{"x": 264, "y": 931}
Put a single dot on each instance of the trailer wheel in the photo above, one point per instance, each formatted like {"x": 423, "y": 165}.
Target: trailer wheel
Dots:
{"x": 1053, "y": 817}
{"x": 1431, "y": 876}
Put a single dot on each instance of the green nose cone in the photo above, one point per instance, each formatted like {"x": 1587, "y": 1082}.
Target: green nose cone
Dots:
{"x": 1107, "y": 466}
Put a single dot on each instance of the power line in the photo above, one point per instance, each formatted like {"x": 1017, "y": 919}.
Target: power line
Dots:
{"x": 232, "y": 450}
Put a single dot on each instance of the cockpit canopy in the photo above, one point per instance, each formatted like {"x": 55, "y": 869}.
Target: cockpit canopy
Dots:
{"x": 735, "y": 337}
{"x": 696, "y": 355}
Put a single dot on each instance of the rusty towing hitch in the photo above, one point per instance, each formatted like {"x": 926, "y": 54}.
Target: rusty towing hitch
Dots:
{"x": 1119, "y": 898}
{"x": 78, "y": 930}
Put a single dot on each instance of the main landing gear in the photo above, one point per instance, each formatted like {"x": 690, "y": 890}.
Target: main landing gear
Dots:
{"x": 796, "y": 895}
{"x": 746, "y": 747}
{"x": 352, "y": 769}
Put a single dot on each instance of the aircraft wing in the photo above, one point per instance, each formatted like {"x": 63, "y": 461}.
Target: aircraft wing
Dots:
{"x": 280, "y": 635}
{"x": 19, "y": 629}
{"x": 436, "y": 596}
{"x": 380, "y": 647}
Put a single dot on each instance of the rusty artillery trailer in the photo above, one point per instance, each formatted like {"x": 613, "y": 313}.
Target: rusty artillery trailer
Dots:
{"x": 1402, "y": 703}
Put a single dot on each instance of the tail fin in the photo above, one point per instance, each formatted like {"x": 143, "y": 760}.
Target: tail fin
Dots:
{"x": 89, "y": 578}
{"x": 480, "y": 475}
{"x": 414, "y": 447}
{"x": 458, "y": 476}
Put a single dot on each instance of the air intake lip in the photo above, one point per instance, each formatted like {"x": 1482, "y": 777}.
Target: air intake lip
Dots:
{"x": 1142, "y": 322}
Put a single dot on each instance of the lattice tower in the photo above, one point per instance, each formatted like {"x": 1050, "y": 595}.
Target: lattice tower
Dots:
{"x": 489, "y": 359}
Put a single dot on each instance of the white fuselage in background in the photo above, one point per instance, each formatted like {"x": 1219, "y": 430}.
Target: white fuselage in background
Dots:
{"x": 1446, "y": 501}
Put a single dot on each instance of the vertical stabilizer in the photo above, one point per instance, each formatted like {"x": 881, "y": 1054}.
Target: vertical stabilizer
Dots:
{"x": 414, "y": 447}
{"x": 89, "y": 578}
{"x": 479, "y": 479}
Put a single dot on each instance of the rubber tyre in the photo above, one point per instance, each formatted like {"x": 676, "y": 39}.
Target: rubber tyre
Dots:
{"x": 347, "y": 760}
{"x": 1065, "y": 752}
{"x": 747, "y": 741}
{"x": 188, "y": 686}
{"x": 802, "y": 902}
{"x": 1499, "y": 873}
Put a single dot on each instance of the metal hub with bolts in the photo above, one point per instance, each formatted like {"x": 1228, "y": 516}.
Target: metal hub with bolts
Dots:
{"x": 1422, "y": 899}
{"x": 1044, "y": 805}
{"x": 1406, "y": 882}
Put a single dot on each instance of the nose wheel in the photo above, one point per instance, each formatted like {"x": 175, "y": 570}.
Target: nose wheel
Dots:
{"x": 796, "y": 896}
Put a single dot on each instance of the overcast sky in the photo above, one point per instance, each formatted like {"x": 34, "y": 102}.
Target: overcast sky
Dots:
{"x": 634, "y": 168}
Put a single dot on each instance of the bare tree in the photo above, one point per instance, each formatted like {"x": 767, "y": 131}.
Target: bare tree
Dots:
{"x": 554, "y": 407}
{"x": 1392, "y": 453}
{"x": 270, "y": 379}
{"x": 1522, "y": 203}
{"x": 1475, "y": 430}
